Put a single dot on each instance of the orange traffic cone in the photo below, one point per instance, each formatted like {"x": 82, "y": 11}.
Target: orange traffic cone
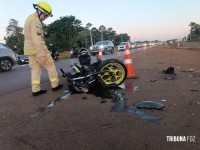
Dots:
{"x": 100, "y": 56}
{"x": 128, "y": 63}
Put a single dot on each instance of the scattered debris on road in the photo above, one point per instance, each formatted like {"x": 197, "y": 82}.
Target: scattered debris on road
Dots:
{"x": 169, "y": 73}
{"x": 118, "y": 99}
{"x": 149, "y": 105}
{"x": 51, "y": 104}
{"x": 121, "y": 106}
{"x": 193, "y": 90}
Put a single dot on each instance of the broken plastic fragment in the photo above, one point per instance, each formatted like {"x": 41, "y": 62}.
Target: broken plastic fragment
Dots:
{"x": 149, "y": 104}
{"x": 163, "y": 100}
{"x": 50, "y": 104}
{"x": 191, "y": 70}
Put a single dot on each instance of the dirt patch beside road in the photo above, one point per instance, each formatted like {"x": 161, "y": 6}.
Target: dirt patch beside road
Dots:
{"x": 83, "y": 122}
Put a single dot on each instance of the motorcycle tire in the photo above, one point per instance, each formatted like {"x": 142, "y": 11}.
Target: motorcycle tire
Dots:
{"x": 116, "y": 75}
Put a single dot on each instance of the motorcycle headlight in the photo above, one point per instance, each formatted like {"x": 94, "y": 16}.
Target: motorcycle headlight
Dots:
{"x": 71, "y": 52}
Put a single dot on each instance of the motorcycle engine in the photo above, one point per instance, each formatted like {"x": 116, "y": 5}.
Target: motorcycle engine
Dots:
{"x": 78, "y": 77}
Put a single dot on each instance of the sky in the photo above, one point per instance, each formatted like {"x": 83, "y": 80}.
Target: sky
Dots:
{"x": 140, "y": 19}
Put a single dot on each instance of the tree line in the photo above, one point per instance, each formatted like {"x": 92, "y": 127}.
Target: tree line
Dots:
{"x": 65, "y": 33}
{"x": 194, "y": 34}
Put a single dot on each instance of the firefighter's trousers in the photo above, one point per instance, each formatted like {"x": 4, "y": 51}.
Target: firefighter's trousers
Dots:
{"x": 36, "y": 70}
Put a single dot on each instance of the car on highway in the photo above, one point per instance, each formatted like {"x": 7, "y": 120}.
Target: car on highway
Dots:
{"x": 22, "y": 59}
{"x": 7, "y": 58}
{"x": 133, "y": 45}
{"x": 122, "y": 46}
{"x": 106, "y": 47}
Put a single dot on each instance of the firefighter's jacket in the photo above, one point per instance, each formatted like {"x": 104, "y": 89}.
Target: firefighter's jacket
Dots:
{"x": 34, "y": 43}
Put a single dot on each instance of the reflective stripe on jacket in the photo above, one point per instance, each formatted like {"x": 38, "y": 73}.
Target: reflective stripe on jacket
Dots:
{"x": 34, "y": 43}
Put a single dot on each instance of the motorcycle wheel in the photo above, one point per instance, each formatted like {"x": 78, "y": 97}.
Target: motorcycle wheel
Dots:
{"x": 116, "y": 74}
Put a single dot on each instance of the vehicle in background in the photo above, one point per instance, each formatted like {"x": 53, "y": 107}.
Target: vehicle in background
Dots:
{"x": 55, "y": 56}
{"x": 22, "y": 59}
{"x": 138, "y": 44}
{"x": 7, "y": 58}
{"x": 54, "y": 53}
{"x": 133, "y": 45}
{"x": 74, "y": 52}
{"x": 144, "y": 44}
{"x": 122, "y": 46}
{"x": 106, "y": 47}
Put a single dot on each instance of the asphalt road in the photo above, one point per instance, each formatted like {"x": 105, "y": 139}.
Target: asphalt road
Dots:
{"x": 56, "y": 120}
{"x": 20, "y": 76}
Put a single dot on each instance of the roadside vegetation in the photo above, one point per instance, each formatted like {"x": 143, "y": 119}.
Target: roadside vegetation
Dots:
{"x": 65, "y": 33}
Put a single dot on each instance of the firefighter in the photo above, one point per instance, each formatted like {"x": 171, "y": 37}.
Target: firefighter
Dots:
{"x": 37, "y": 51}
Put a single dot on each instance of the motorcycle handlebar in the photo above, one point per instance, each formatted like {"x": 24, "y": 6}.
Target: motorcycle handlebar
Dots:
{"x": 64, "y": 74}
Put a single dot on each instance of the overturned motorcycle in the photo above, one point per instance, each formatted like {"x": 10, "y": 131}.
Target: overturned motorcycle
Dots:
{"x": 87, "y": 75}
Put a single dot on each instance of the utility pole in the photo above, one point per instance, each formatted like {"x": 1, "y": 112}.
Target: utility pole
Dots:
{"x": 191, "y": 25}
{"x": 102, "y": 35}
{"x": 91, "y": 37}
{"x": 88, "y": 26}
{"x": 102, "y": 28}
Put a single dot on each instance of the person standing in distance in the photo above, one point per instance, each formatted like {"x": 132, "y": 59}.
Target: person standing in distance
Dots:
{"x": 52, "y": 50}
{"x": 36, "y": 50}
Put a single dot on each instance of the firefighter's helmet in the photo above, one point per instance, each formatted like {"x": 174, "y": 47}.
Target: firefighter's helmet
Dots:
{"x": 44, "y": 7}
